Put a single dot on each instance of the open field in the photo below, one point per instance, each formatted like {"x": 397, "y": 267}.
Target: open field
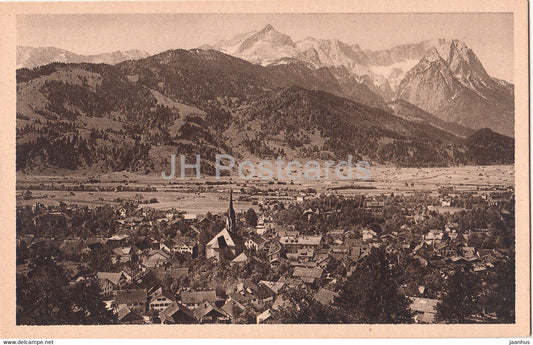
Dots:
{"x": 210, "y": 195}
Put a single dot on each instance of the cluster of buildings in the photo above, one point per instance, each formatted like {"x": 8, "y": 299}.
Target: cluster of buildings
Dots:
{"x": 307, "y": 257}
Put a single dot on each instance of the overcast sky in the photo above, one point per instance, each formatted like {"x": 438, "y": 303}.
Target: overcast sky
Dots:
{"x": 489, "y": 35}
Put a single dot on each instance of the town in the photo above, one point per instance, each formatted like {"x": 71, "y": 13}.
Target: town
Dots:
{"x": 443, "y": 256}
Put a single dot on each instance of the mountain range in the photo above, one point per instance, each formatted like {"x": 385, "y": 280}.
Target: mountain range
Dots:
{"x": 442, "y": 77}
{"x": 133, "y": 115}
{"x": 31, "y": 57}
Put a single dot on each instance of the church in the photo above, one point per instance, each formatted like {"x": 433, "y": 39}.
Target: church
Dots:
{"x": 222, "y": 245}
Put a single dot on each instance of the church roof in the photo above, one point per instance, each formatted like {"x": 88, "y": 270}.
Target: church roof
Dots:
{"x": 222, "y": 236}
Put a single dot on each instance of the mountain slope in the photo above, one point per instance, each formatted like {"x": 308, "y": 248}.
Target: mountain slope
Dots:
{"x": 227, "y": 76}
{"x": 133, "y": 115}
{"x": 315, "y": 124}
{"x": 30, "y": 57}
{"x": 451, "y": 83}
{"x": 411, "y": 112}
{"x": 489, "y": 147}
{"x": 442, "y": 77}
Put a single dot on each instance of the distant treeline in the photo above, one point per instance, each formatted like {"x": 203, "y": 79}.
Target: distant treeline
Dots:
{"x": 84, "y": 188}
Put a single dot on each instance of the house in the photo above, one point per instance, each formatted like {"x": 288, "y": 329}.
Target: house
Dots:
{"x": 185, "y": 245}
{"x": 308, "y": 275}
{"x": 260, "y": 229}
{"x": 301, "y": 255}
{"x": 162, "y": 273}
{"x": 118, "y": 240}
{"x": 177, "y": 313}
{"x": 230, "y": 306}
{"x": 264, "y": 316}
{"x": 291, "y": 282}
{"x": 207, "y": 312}
{"x": 478, "y": 267}
{"x": 190, "y": 216}
{"x": 293, "y": 244}
{"x": 339, "y": 252}
{"x": 488, "y": 256}
{"x": 425, "y": 309}
{"x": 155, "y": 245}
{"x": 134, "y": 299}
{"x": 274, "y": 241}
{"x": 281, "y": 302}
{"x": 221, "y": 246}
{"x": 374, "y": 207}
{"x": 276, "y": 287}
{"x": 128, "y": 316}
{"x": 322, "y": 260}
{"x": 264, "y": 224}
{"x": 263, "y": 292}
{"x": 254, "y": 241}
{"x": 244, "y": 297}
{"x": 122, "y": 212}
{"x": 468, "y": 251}
{"x": 122, "y": 255}
{"x": 167, "y": 246}
{"x": 369, "y": 235}
{"x": 451, "y": 227}
{"x": 155, "y": 258}
{"x": 433, "y": 236}
{"x": 274, "y": 254}
{"x": 446, "y": 250}
{"x": 239, "y": 260}
{"x": 110, "y": 281}
{"x": 499, "y": 198}
{"x": 127, "y": 275}
{"x": 160, "y": 300}
{"x": 326, "y": 297}
{"x": 194, "y": 299}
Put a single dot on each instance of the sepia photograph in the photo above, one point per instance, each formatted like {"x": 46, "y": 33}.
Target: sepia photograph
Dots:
{"x": 278, "y": 168}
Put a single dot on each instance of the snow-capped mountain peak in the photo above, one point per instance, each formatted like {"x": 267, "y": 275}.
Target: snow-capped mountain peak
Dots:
{"x": 381, "y": 71}
{"x": 264, "y": 46}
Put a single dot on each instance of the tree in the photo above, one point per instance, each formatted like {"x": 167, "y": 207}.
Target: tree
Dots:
{"x": 371, "y": 293}
{"x": 300, "y": 306}
{"x": 251, "y": 217}
{"x": 501, "y": 299}
{"x": 461, "y": 300}
{"x": 88, "y": 309}
{"x": 44, "y": 297}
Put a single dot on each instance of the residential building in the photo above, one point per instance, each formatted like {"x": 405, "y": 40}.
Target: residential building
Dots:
{"x": 193, "y": 299}
{"x": 134, "y": 299}
{"x": 160, "y": 300}
{"x": 425, "y": 309}
{"x": 207, "y": 312}
{"x": 109, "y": 282}
{"x": 177, "y": 313}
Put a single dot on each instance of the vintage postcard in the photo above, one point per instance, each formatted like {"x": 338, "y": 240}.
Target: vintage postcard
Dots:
{"x": 265, "y": 169}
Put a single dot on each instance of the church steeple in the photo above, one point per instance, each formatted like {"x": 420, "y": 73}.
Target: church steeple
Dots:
{"x": 230, "y": 220}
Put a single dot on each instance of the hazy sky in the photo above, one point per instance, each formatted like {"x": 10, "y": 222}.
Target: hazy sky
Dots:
{"x": 489, "y": 35}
